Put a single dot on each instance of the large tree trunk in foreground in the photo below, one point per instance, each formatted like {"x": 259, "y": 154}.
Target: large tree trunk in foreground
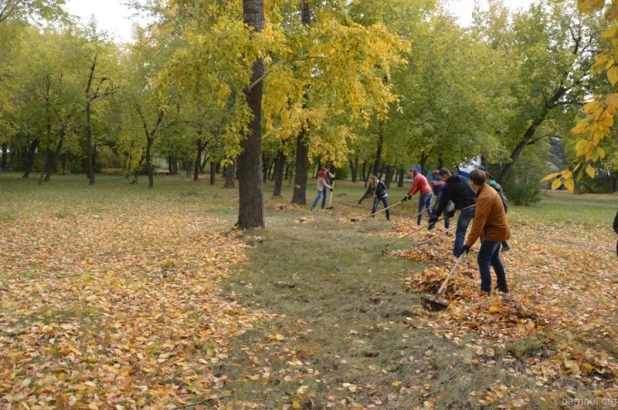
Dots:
{"x": 250, "y": 186}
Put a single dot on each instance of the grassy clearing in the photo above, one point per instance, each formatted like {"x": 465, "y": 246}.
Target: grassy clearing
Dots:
{"x": 345, "y": 334}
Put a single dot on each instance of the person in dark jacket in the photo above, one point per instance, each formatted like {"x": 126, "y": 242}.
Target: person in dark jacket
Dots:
{"x": 437, "y": 185}
{"x": 377, "y": 188}
{"x": 456, "y": 189}
{"x": 616, "y": 230}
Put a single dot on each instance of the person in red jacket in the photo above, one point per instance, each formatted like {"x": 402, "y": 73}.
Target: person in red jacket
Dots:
{"x": 420, "y": 184}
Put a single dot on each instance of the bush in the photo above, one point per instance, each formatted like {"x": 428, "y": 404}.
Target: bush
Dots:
{"x": 522, "y": 194}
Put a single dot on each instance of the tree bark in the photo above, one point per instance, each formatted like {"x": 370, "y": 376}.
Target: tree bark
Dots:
{"x": 230, "y": 173}
{"x": 389, "y": 176}
{"x": 89, "y": 121}
{"x": 400, "y": 178}
{"x": 278, "y": 174}
{"x": 188, "y": 168}
{"x": 198, "y": 160}
{"x": 149, "y": 142}
{"x": 299, "y": 197}
{"x": 30, "y": 157}
{"x": 5, "y": 161}
{"x": 54, "y": 159}
{"x": 354, "y": 168}
{"x": 376, "y": 164}
{"x": 213, "y": 173}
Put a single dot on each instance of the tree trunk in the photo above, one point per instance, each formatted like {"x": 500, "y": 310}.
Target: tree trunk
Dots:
{"x": 213, "y": 173}
{"x": 169, "y": 165}
{"x": 400, "y": 179}
{"x": 422, "y": 162}
{"x": 278, "y": 174}
{"x": 54, "y": 159}
{"x": 188, "y": 168}
{"x": 5, "y": 161}
{"x": 30, "y": 157}
{"x": 89, "y": 144}
{"x": 364, "y": 173}
{"x": 174, "y": 165}
{"x": 389, "y": 176}
{"x": 198, "y": 160}
{"x": 265, "y": 166}
{"x": 230, "y": 173}
{"x": 376, "y": 164}
{"x": 149, "y": 142}
{"x": 299, "y": 197}
{"x": 506, "y": 171}
{"x": 354, "y": 168}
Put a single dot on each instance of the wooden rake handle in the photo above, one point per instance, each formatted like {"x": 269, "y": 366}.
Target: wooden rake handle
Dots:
{"x": 383, "y": 210}
{"x": 408, "y": 234}
{"x": 448, "y": 277}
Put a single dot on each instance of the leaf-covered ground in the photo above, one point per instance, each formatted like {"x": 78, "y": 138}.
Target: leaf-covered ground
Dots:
{"x": 127, "y": 298}
{"x": 560, "y": 322}
{"x": 116, "y": 311}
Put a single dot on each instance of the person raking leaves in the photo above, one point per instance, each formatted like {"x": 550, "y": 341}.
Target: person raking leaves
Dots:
{"x": 419, "y": 183}
{"x": 324, "y": 176}
{"x": 491, "y": 225}
{"x": 377, "y": 188}
{"x": 458, "y": 190}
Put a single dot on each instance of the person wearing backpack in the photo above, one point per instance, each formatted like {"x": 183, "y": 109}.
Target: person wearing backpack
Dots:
{"x": 492, "y": 183}
{"x": 377, "y": 188}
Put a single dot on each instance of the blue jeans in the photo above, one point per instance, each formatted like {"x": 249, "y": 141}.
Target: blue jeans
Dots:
{"x": 376, "y": 202}
{"x": 449, "y": 208}
{"x": 317, "y": 199}
{"x": 424, "y": 201}
{"x": 489, "y": 255}
{"x": 465, "y": 216}
{"x": 325, "y": 193}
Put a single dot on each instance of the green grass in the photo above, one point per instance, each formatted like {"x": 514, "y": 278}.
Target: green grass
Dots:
{"x": 341, "y": 305}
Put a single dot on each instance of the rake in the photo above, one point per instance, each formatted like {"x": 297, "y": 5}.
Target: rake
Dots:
{"x": 330, "y": 198}
{"x": 435, "y": 304}
{"x": 385, "y": 248}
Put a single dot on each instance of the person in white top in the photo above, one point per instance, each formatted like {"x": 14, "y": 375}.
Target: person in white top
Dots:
{"x": 324, "y": 177}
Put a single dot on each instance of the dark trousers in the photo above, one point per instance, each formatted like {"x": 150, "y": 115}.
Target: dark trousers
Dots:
{"x": 376, "y": 202}
{"x": 489, "y": 255}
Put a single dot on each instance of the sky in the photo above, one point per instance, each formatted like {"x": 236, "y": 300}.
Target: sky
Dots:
{"x": 115, "y": 18}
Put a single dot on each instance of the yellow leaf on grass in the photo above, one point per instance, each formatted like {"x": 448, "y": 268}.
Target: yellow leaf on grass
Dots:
{"x": 493, "y": 309}
{"x": 93, "y": 406}
{"x": 556, "y": 184}
{"x": 397, "y": 383}
{"x": 296, "y": 405}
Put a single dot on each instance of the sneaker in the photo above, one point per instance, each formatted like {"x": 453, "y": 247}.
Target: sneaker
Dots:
{"x": 505, "y": 296}
{"x": 506, "y": 248}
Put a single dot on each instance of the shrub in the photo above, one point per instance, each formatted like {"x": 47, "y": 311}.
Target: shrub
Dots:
{"x": 523, "y": 193}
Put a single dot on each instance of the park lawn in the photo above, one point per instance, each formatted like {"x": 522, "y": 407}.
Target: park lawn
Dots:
{"x": 116, "y": 295}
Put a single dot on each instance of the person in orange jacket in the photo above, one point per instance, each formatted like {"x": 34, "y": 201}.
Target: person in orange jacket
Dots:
{"x": 491, "y": 225}
{"x": 420, "y": 184}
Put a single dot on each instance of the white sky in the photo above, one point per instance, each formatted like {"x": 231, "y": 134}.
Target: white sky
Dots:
{"x": 115, "y": 18}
